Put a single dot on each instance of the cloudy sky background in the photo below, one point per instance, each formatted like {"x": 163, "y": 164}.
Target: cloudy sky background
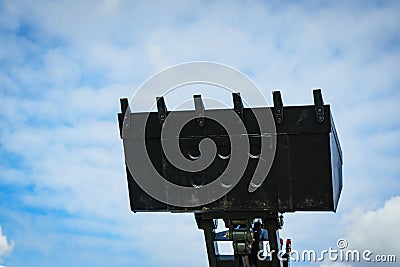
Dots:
{"x": 64, "y": 65}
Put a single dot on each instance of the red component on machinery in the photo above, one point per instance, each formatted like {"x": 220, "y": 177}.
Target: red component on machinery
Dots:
{"x": 288, "y": 244}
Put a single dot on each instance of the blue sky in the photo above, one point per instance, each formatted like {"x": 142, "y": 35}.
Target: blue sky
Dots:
{"x": 64, "y": 66}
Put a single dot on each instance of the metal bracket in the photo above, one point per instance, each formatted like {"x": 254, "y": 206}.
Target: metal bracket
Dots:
{"x": 238, "y": 104}
{"x": 319, "y": 105}
{"x": 161, "y": 109}
{"x": 278, "y": 106}
{"x": 126, "y": 111}
{"x": 199, "y": 107}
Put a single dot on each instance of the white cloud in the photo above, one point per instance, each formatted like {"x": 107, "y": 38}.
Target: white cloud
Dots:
{"x": 5, "y": 246}
{"x": 376, "y": 230}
